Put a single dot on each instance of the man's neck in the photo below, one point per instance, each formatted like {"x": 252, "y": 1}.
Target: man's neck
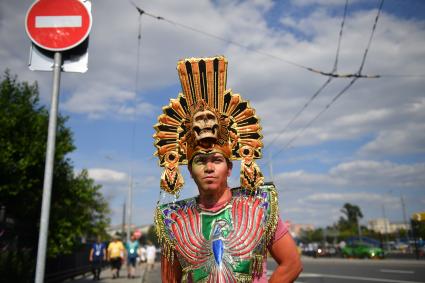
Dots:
{"x": 216, "y": 198}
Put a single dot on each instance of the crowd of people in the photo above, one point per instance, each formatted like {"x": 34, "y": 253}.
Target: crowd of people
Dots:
{"x": 116, "y": 253}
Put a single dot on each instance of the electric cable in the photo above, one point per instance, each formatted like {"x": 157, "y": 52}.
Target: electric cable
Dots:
{"x": 139, "y": 37}
{"x": 310, "y": 69}
{"x": 316, "y": 117}
{"x": 336, "y": 97}
{"x": 330, "y": 78}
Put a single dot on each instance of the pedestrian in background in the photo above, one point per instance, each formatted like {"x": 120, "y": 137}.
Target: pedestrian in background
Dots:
{"x": 150, "y": 255}
{"x": 115, "y": 256}
{"x": 142, "y": 254}
{"x": 132, "y": 248}
{"x": 97, "y": 257}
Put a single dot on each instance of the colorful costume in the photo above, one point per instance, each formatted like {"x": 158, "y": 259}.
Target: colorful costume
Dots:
{"x": 229, "y": 244}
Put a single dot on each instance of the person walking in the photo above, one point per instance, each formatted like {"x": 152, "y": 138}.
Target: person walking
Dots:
{"x": 222, "y": 234}
{"x": 115, "y": 256}
{"x": 132, "y": 248}
{"x": 150, "y": 256}
{"x": 142, "y": 254}
{"x": 97, "y": 257}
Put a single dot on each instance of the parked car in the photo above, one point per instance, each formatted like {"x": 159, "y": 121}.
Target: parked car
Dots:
{"x": 325, "y": 252}
{"x": 362, "y": 250}
{"x": 316, "y": 250}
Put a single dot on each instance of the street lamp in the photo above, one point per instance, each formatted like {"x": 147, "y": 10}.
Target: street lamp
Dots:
{"x": 129, "y": 199}
{"x": 359, "y": 231}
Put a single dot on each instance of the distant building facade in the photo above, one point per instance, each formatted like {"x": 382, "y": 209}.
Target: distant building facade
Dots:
{"x": 384, "y": 226}
{"x": 296, "y": 229}
{"x": 117, "y": 229}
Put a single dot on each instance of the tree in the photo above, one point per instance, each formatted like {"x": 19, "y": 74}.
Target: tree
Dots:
{"x": 309, "y": 236}
{"x": 352, "y": 215}
{"x": 77, "y": 206}
{"x": 151, "y": 235}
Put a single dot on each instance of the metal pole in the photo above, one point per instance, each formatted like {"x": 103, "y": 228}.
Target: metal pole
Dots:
{"x": 403, "y": 206}
{"x": 123, "y": 220}
{"x": 271, "y": 167}
{"x": 130, "y": 187}
{"x": 129, "y": 206}
{"x": 386, "y": 222}
{"x": 48, "y": 171}
{"x": 359, "y": 230}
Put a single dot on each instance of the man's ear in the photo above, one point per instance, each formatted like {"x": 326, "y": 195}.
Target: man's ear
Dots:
{"x": 189, "y": 167}
{"x": 229, "y": 168}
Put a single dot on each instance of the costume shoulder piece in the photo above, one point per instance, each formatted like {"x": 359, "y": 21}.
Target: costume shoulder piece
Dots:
{"x": 228, "y": 245}
{"x": 206, "y": 117}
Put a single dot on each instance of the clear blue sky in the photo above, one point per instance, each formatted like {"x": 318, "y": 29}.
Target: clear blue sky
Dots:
{"x": 368, "y": 148}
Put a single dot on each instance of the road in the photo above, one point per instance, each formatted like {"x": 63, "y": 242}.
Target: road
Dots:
{"x": 335, "y": 270}
{"x": 319, "y": 270}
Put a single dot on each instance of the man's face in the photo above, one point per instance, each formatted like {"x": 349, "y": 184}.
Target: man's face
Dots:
{"x": 210, "y": 172}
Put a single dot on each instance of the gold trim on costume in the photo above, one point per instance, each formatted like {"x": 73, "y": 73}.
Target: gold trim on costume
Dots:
{"x": 170, "y": 246}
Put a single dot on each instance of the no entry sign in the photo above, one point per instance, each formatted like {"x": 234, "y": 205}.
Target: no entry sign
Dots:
{"x": 58, "y": 25}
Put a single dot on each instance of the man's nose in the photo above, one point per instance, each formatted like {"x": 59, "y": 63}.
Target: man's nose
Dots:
{"x": 209, "y": 167}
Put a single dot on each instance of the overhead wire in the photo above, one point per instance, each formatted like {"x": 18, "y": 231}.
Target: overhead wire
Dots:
{"x": 330, "y": 78}
{"x": 338, "y": 95}
{"x": 139, "y": 44}
{"x": 298, "y": 134}
{"x": 290, "y": 62}
{"x": 139, "y": 38}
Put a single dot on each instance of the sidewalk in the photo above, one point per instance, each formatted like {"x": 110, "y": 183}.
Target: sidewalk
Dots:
{"x": 142, "y": 276}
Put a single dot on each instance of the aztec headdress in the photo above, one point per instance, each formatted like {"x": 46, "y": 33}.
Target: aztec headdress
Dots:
{"x": 207, "y": 118}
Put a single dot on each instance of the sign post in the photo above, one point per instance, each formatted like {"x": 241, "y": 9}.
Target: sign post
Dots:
{"x": 48, "y": 171}
{"x": 54, "y": 25}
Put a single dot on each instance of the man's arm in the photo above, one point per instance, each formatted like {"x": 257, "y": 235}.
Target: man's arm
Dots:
{"x": 285, "y": 252}
{"x": 108, "y": 252}
{"x": 170, "y": 272}
{"x": 105, "y": 254}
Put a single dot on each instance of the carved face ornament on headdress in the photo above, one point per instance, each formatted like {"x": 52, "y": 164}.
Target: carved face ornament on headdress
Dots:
{"x": 207, "y": 118}
{"x": 205, "y": 127}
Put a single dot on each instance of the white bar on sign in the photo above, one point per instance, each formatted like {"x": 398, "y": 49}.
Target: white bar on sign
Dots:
{"x": 58, "y": 21}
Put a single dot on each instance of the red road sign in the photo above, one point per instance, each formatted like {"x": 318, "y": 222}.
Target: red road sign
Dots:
{"x": 58, "y": 25}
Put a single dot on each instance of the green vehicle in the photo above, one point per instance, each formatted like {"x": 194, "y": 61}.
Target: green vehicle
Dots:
{"x": 362, "y": 250}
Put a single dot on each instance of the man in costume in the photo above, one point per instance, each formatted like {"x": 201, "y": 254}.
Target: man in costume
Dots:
{"x": 222, "y": 235}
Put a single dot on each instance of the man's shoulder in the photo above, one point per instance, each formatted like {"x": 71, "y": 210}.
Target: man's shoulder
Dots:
{"x": 266, "y": 189}
{"x": 178, "y": 204}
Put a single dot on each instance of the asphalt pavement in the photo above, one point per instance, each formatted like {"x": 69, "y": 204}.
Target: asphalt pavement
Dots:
{"x": 142, "y": 276}
{"x": 316, "y": 270}
{"x": 336, "y": 270}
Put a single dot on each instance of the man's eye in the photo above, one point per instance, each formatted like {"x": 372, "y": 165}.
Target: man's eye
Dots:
{"x": 199, "y": 161}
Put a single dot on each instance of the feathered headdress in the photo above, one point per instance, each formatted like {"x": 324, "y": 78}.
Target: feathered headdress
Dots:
{"x": 207, "y": 118}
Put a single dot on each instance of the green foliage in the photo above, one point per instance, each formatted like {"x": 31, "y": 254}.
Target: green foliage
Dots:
{"x": 315, "y": 235}
{"x": 352, "y": 215}
{"x": 151, "y": 235}
{"x": 418, "y": 229}
{"x": 88, "y": 213}
{"x": 78, "y": 209}
{"x": 16, "y": 266}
